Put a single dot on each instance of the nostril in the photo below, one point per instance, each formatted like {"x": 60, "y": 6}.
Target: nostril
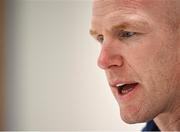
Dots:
{"x": 117, "y": 60}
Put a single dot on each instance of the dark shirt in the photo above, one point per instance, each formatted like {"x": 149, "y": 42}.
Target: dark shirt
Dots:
{"x": 150, "y": 126}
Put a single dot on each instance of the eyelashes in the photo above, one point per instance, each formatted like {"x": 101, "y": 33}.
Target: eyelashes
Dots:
{"x": 100, "y": 38}
{"x": 126, "y": 34}
{"x": 121, "y": 35}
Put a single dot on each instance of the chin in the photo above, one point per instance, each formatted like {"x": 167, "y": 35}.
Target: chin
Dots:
{"x": 133, "y": 120}
{"x": 132, "y": 117}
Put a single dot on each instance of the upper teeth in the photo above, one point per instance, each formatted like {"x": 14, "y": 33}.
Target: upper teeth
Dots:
{"x": 119, "y": 85}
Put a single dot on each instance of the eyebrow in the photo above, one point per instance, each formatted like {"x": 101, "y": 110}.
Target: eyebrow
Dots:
{"x": 131, "y": 24}
{"x": 122, "y": 26}
{"x": 112, "y": 29}
{"x": 93, "y": 32}
{"x": 115, "y": 27}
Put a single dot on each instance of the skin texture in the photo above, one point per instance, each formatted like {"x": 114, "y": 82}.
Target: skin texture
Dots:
{"x": 150, "y": 57}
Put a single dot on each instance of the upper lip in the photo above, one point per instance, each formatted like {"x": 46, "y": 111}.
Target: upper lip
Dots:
{"x": 119, "y": 82}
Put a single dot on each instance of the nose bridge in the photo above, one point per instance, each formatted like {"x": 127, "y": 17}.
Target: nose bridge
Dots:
{"x": 110, "y": 55}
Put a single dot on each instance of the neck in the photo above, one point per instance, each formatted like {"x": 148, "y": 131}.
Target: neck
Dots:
{"x": 169, "y": 120}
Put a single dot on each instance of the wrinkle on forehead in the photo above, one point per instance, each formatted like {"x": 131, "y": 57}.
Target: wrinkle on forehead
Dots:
{"x": 103, "y": 7}
{"x": 164, "y": 11}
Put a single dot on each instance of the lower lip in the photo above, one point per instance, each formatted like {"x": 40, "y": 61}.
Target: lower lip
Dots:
{"x": 127, "y": 96}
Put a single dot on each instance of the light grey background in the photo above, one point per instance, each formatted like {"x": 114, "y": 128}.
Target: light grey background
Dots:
{"x": 53, "y": 82}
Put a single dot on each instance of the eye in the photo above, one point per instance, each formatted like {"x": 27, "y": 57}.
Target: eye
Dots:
{"x": 100, "y": 38}
{"x": 126, "y": 34}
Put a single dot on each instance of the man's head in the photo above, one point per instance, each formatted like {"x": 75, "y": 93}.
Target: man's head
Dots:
{"x": 140, "y": 47}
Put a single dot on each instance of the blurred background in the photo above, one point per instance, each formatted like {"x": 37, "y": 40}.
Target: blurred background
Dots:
{"x": 52, "y": 81}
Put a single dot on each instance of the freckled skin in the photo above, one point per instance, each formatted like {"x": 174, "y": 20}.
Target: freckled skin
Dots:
{"x": 151, "y": 58}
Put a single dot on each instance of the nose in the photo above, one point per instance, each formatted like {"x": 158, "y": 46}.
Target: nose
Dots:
{"x": 109, "y": 57}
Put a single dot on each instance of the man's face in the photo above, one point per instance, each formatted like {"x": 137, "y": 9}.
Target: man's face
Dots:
{"x": 139, "y": 48}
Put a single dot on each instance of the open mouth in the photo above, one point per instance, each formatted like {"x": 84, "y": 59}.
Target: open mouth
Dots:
{"x": 124, "y": 89}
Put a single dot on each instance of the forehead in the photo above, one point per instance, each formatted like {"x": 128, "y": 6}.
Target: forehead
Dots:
{"x": 103, "y": 7}
{"x": 109, "y": 13}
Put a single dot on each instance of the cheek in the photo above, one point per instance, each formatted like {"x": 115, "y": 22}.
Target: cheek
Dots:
{"x": 155, "y": 63}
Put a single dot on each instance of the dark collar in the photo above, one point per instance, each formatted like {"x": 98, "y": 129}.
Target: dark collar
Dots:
{"x": 150, "y": 126}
